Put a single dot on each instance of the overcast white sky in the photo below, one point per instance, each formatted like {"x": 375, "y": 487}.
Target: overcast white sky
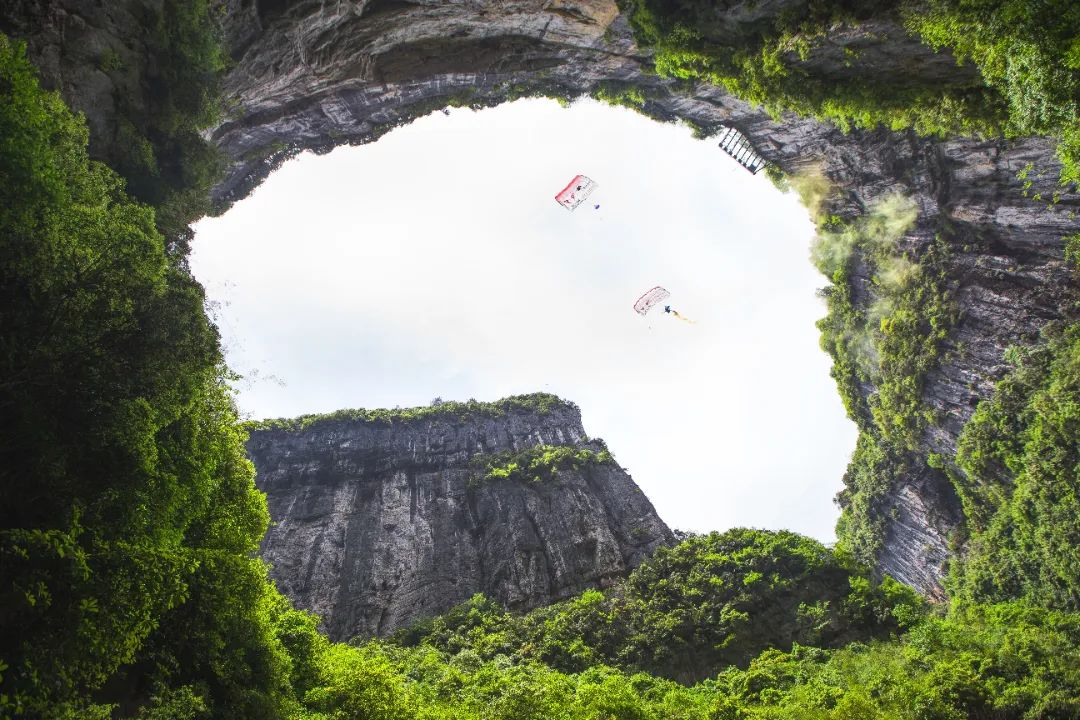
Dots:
{"x": 436, "y": 262}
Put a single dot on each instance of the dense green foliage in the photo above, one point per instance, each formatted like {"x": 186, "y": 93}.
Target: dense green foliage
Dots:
{"x": 893, "y": 343}
{"x": 620, "y": 95}
{"x": 538, "y": 463}
{"x": 882, "y": 350}
{"x": 541, "y": 403}
{"x": 1026, "y": 53}
{"x": 1019, "y": 480}
{"x": 871, "y": 475}
{"x": 690, "y": 610}
{"x": 128, "y": 512}
{"x": 1006, "y": 662}
{"x": 157, "y": 148}
{"x": 767, "y": 64}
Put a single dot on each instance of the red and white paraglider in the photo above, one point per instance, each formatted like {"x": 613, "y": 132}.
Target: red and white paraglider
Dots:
{"x": 576, "y": 192}
{"x": 654, "y": 297}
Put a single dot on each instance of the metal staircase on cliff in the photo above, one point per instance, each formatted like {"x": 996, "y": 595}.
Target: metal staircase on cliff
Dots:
{"x": 735, "y": 144}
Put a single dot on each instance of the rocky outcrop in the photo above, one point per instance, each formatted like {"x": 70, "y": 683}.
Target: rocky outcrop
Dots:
{"x": 381, "y": 522}
{"x": 94, "y": 53}
{"x": 314, "y": 74}
{"x": 920, "y": 513}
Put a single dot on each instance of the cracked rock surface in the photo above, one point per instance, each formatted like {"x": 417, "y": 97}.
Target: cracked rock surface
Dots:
{"x": 378, "y": 524}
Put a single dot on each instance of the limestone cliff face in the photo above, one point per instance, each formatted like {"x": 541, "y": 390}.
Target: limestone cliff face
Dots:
{"x": 314, "y": 74}
{"x": 378, "y": 523}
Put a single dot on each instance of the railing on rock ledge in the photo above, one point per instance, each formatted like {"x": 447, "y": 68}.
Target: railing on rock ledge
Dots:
{"x": 735, "y": 144}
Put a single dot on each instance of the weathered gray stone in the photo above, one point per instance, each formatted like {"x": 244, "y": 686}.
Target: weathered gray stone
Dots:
{"x": 378, "y": 524}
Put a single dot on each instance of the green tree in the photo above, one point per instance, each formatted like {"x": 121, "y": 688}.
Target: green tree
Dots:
{"x": 128, "y": 512}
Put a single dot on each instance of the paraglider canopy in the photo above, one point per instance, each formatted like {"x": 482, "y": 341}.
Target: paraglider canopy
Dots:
{"x": 649, "y": 299}
{"x": 575, "y": 192}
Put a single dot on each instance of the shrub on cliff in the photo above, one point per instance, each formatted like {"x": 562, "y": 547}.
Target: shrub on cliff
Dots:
{"x": 1019, "y": 479}
{"x": 448, "y": 410}
{"x": 539, "y": 463}
{"x": 887, "y": 345}
{"x": 1026, "y": 52}
{"x": 163, "y": 156}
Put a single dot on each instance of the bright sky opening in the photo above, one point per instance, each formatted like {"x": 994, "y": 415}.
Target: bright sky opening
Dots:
{"x": 436, "y": 263}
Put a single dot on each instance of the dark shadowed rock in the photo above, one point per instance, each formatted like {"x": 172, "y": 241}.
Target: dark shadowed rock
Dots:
{"x": 378, "y": 523}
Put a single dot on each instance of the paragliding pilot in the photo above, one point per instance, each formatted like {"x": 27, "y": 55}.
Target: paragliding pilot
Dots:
{"x": 654, "y": 297}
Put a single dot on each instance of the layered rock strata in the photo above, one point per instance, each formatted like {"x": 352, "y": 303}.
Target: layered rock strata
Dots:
{"x": 380, "y": 523}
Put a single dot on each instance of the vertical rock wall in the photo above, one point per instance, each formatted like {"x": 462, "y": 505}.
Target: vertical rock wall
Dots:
{"x": 378, "y": 523}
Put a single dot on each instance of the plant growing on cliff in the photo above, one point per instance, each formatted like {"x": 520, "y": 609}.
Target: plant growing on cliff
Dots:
{"x": 539, "y": 463}
{"x": 1072, "y": 251}
{"x": 886, "y": 343}
{"x": 179, "y": 83}
{"x": 767, "y": 65}
{"x": 872, "y": 474}
{"x": 1020, "y": 481}
{"x": 450, "y": 410}
{"x": 1026, "y": 54}
{"x": 619, "y": 95}
{"x": 894, "y": 341}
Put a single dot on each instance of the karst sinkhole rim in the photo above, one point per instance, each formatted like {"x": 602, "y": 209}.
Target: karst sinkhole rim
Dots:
{"x": 721, "y": 163}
